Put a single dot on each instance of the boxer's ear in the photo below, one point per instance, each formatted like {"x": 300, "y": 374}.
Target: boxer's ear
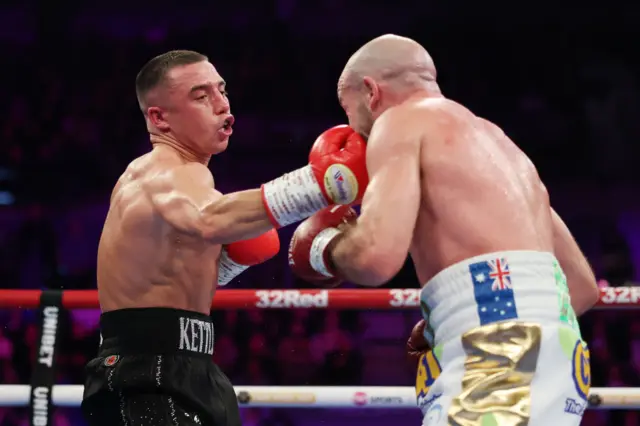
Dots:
{"x": 158, "y": 118}
{"x": 372, "y": 93}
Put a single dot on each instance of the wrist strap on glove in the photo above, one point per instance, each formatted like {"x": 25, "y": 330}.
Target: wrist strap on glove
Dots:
{"x": 293, "y": 197}
{"x": 228, "y": 269}
{"x": 318, "y": 248}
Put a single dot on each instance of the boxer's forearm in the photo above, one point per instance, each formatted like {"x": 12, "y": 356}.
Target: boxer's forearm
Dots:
{"x": 582, "y": 304}
{"x": 354, "y": 257}
{"x": 234, "y": 217}
{"x": 582, "y": 284}
{"x": 581, "y": 280}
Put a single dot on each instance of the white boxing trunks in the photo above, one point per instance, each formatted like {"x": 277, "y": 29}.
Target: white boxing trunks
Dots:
{"x": 507, "y": 346}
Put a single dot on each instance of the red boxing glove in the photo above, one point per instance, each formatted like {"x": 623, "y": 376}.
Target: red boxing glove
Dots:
{"x": 308, "y": 248}
{"x": 417, "y": 344}
{"x": 336, "y": 174}
{"x": 238, "y": 256}
{"x": 338, "y": 158}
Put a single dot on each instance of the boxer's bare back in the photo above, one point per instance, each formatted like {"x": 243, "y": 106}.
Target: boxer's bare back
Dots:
{"x": 445, "y": 184}
{"x": 480, "y": 193}
{"x": 143, "y": 259}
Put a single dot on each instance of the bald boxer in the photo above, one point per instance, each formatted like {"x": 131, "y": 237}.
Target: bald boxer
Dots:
{"x": 170, "y": 238}
{"x": 503, "y": 279}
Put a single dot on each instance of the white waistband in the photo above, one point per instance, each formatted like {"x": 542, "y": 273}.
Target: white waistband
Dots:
{"x": 490, "y": 288}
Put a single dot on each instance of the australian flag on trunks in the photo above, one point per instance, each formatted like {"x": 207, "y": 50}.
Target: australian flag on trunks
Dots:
{"x": 493, "y": 290}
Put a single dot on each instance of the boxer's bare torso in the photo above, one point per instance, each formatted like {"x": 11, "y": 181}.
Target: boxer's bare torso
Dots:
{"x": 143, "y": 260}
{"x": 445, "y": 185}
{"x": 480, "y": 193}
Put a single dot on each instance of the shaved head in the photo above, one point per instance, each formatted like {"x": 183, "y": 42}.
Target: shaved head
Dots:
{"x": 381, "y": 74}
{"x": 154, "y": 73}
{"x": 390, "y": 58}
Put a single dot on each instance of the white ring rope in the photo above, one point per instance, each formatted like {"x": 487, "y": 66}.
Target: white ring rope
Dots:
{"x": 316, "y": 396}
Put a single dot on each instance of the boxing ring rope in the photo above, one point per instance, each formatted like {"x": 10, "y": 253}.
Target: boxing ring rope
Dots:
{"x": 299, "y": 396}
{"x": 316, "y": 396}
{"x": 409, "y": 298}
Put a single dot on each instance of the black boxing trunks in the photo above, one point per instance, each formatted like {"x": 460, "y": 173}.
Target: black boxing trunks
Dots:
{"x": 155, "y": 368}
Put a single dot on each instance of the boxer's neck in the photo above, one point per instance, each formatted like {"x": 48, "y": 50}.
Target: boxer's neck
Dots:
{"x": 187, "y": 154}
{"x": 427, "y": 92}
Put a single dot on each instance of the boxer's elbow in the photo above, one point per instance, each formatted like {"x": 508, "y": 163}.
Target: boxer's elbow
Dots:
{"x": 583, "y": 288}
{"x": 211, "y": 224}
{"x": 585, "y": 297}
{"x": 594, "y": 294}
{"x": 212, "y": 229}
{"x": 182, "y": 214}
{"x": 377, "y": 265}
{"x": 233, "y": 217}
{"x": 222, "y": 227}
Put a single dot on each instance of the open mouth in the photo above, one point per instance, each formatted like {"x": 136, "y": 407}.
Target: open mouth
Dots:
{"x": 228, "y": 122}
{"x": 226, "y": 128}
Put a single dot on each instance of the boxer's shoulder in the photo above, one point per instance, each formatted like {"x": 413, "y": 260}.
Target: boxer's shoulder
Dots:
{"x": 167, "y": 177}
{"x": 399, "y": 120}
{"x": 401, "y": 113}
{"x": 197, "y": 172}
{"x": 420, "y": 114}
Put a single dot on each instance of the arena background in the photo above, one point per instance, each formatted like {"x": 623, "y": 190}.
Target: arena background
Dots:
{"x": 562, "y": 81}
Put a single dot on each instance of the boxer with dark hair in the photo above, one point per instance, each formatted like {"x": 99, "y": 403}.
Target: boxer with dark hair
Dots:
{"x": 170, "y": 239}
{"x": 503, "y": 279}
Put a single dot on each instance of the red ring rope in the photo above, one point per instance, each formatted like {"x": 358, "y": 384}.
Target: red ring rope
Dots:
{"x": 611, "y": 297}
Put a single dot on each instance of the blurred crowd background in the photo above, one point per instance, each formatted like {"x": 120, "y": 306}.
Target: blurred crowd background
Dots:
{"x": 562, "y": 82}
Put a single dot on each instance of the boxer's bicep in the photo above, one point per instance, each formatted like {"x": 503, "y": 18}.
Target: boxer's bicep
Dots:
{"x": 186, "y": 199}
{"x": 581, "y": 281}
{"x": 391, "y": 202}
{"x": 181, "y": 195}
